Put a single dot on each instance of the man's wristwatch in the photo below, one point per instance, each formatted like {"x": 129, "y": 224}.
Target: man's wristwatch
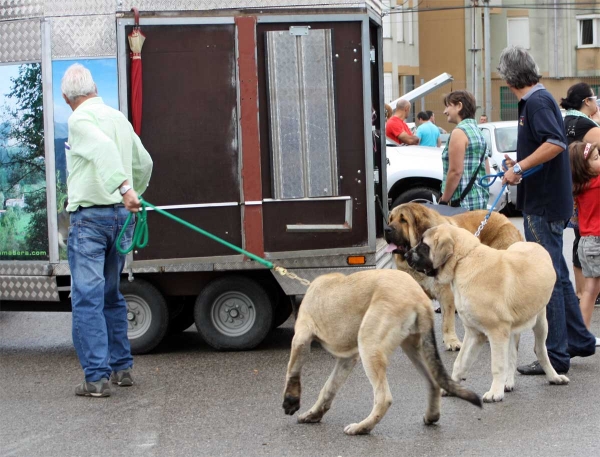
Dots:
{"x": 124, "y": 189}
{"x": 517, "y": 169}
{"x": 441, "y": 202}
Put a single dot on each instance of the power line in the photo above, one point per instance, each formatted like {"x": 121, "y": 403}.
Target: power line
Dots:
{"x": 567, "y": 6}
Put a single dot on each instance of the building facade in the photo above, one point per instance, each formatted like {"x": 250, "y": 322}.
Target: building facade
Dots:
{"x": 449, "y": 36}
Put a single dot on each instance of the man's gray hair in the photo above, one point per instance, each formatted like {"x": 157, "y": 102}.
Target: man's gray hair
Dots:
{"x": 518, "y": 68}
{"x": 77, "y": 82}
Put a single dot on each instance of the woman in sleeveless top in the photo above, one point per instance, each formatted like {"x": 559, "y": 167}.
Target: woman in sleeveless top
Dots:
{"x": 464, "y": 154}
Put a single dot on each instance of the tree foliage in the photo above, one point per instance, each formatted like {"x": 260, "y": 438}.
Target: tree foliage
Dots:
{"x": 24, "y": 163}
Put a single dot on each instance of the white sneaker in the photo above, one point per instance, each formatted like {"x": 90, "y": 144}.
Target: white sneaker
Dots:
{"x": 598, "y": 342}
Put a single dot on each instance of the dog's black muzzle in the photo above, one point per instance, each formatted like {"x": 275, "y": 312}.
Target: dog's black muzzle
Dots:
{"x": 418, "y": 259}
{"x": 392, "y": 237}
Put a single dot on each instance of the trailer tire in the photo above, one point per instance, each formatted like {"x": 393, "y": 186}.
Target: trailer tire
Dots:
{"x": 147, "y": 315}
{"x": 416, "y": 194}
{"x": 233, "y": 313}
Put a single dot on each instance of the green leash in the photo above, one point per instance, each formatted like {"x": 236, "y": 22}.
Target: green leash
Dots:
{"x": 141, "y": 236}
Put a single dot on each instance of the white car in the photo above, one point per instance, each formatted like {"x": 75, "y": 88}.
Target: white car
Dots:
{"x": 501, "y": 138}
{"x": 415, "y": 173}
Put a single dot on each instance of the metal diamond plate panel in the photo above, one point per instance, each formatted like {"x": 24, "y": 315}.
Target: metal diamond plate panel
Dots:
{"x": 36, "y": 288}
{"x": 21, "y": 41}
{"x": 302, "y": 112}
{"x": 79, "y": 7}
{"x": 284, "y": 110}
{"x": 320, "y": 261}
{"x": 295, "y": 287}
{"x": 16, "y": 268}
{"x": 13, "y": 9}
{"x": 172, "y": 268}
{"x": 91, "y": 36}
{"x": 170, "y": 5}
{"x": 319, "y": 109}
{"x": 61, "y": 269}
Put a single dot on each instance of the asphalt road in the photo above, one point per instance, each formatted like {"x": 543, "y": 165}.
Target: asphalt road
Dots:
{"x": 192, "y": 401}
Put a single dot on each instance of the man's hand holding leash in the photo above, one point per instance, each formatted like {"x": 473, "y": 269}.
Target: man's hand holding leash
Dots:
{"x": 511, "y": 176}
{"x": 130, "y": 198}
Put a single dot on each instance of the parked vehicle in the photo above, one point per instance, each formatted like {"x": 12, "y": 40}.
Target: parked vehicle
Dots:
{"x": 416, "y": 173}
{"x": 501, "y": 138}
{"x": 240, "y": 148}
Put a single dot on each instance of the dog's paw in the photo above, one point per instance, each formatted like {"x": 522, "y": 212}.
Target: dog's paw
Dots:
{"x": 431, "y": 419}
{"x": 509, "y": 386}
{"x": 491, "y": 397}
{"x": 356, "y": 429}
{"x": 291, "y": 404}
{"x": 560, "y": 379}
{"x": 309, "y": 417}
{"x": 452, "y": 344}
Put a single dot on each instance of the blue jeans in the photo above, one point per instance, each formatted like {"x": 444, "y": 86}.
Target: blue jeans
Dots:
{"x": 566, "y": 331}
{"x": 99, "y": 309}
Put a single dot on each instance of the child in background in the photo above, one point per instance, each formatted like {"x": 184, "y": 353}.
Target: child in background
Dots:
{"x": 585, "y": 167}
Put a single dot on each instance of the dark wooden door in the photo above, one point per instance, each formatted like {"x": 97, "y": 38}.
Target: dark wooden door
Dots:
{"x": 190, "y": 128}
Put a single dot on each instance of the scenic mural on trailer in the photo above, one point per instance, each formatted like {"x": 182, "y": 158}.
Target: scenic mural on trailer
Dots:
{"x": 23, "y": 207}
{"x": 104, "y": 72}
{"x": 23, "y": 222}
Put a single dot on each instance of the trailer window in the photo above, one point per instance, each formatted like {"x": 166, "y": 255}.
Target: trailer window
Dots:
{"x": 302, "y": 114}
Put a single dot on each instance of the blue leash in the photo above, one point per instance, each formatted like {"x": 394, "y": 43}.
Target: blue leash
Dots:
{"x": 488, "y": 180}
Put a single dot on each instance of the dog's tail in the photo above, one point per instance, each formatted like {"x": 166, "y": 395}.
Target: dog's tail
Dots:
{"x": 439, "y": 373}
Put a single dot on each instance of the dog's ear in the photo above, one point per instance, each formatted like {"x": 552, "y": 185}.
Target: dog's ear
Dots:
{"x": 442, "y": 248}
{"x": 416, "y": 223}
{"x": 421, "y": 220}
{"x": 393, "y": 214}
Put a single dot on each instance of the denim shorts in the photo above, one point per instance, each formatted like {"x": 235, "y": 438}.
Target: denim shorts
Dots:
{"x": 589, "y": 256}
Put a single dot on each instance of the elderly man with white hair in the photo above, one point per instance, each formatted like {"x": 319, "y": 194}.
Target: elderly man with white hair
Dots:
{"x": 108, "y": 167}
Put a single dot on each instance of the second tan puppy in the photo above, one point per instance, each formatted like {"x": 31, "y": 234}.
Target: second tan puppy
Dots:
{"x": 497, "y": 307}
{"x": 367, "y": 315}
{"x": 407, "y": 224}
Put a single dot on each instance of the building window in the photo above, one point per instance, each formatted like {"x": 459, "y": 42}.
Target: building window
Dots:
{"x": 387, "y": 21}
{"x": 388, "y": 87}
{"x": 509, "y": 105}
{"x": 400, "y": 24}
{"x": 518, "y": 31}
{"x": 587, "y": 36}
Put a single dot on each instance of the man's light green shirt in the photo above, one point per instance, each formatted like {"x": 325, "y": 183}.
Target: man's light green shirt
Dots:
{"x": 102, "y": 152}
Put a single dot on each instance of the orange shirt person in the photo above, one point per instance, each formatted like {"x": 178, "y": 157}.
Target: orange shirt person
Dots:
{"x": 396, "y": 128}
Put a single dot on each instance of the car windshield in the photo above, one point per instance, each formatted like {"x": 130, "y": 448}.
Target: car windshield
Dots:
{"x": 506, "y": 139}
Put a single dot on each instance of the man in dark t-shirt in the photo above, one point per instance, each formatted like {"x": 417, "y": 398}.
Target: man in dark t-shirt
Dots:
{"x": 546, "y": 200}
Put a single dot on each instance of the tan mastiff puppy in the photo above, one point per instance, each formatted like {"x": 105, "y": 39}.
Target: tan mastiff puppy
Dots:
{"x": 407, "y": 224}
{"x": 367, "y": 315}
{"x": 498, "y": 294}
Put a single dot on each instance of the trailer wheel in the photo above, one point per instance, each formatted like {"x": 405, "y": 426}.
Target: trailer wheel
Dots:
{"x": 416, "y": 194}
{"x": 233, "y": 313}
{"x": 147, "y": 315}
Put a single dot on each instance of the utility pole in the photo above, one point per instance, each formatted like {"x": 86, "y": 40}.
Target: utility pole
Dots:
{"x": 474, "y": 48}
{"x": 488, "y": 59}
